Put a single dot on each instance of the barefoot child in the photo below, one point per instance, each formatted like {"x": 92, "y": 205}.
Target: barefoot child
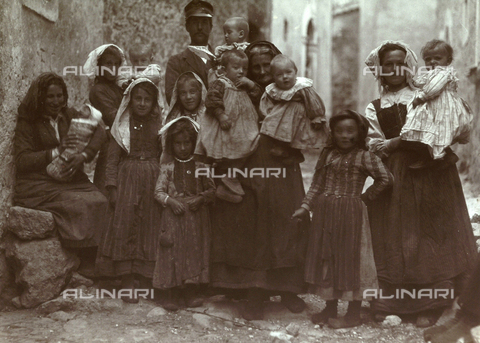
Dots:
{"x": 229, "y": 130}
{"x": 438, "y": 118}
{"x": 339, "y": 264}
{"x": 127, "y": 249}
{"x": 294, "y": 112}
{"x": 182, "y": 262}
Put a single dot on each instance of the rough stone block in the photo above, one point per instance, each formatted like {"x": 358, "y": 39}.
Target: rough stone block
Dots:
{"x": 42, "y": 268}
{"x": 28, "y": 224}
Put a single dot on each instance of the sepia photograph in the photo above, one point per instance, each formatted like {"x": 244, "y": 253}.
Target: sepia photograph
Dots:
{"x": 240, "y": 171}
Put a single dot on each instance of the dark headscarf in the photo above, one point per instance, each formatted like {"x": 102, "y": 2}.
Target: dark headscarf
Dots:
{"x": 260, "y": 48}
{"x": 32, "y": 104}
{"x": 362, "y": 124}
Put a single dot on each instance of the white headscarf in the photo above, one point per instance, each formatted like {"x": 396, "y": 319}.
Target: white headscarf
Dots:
{"x": 90, "y": 66}
{"x": 166, "y": 155}
{"x": 121, "y": 126}
{"x": 174, "y": 111}
{"x": 373, "y": 62}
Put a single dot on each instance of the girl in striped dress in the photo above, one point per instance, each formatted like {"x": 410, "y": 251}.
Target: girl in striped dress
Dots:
{"x": 340, "y": 262}
{"x": 128, "y": 246}
{"x": 437, "y": 118}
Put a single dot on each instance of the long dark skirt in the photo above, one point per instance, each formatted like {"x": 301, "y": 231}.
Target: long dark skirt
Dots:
{"x": 255, "y": 243}
{"x": 421, "y": 232}
{"x": 129, "y": 243}
{"x": 78, "y": 207}
{"x": 340, "y": 263}
{"x": 187, "y": 261}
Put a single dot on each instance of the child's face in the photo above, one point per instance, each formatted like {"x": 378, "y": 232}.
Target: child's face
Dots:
{"x": 232, "y": 33}
{"x": 140, "y": 60}
{"x": 142, "y": 102}
{"x": 284, "y": 75}
{"x": 236, "y": 68}
{"x": 437, "y": 56}
{"x": 182, "y": 146}
{"x": 345, "y": 134}
{"x": 190, "y": 95}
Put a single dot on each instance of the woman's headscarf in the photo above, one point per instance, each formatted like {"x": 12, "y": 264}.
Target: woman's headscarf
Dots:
{"x": 90, "y": 66}
{"x": 121, "y": 125}
{"x": 32, "y": 104}
{"x": 175, "y": 110}
{"x": 374, "y": 63}
{"x": 260, "y": 48}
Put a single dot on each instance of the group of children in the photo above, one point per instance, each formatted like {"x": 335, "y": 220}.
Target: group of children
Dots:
{"x": 159, "y": 226}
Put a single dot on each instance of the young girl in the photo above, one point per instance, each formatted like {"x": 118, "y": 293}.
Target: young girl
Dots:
{"x": 438, "y": 118}
{"x": 229, "y": 131}
{"x": 188, "y": 99}
{"x": 294, "y": 112}
{"x": 339, "y": 262}
{"x": 129, "y": 243}
{"x": 103, "y": 65}
{"x": 183, "y": 253}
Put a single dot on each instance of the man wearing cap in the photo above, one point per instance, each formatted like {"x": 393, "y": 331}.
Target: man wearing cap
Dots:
{"x": 198, "y": 57}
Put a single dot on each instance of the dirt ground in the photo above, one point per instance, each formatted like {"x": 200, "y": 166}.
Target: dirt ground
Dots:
{"x": 218, "y": 320}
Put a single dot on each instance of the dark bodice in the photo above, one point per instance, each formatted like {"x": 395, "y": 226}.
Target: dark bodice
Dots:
{"x": 144, "y": 143}
{"x": 391, "y": 119}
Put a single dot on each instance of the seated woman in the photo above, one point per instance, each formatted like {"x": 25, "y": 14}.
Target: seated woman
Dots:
{"x": 77, "y": 206}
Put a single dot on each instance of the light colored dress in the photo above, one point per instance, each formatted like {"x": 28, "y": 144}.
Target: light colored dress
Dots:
{"x": 289, "y": 115}
{"x": 444, "y": 119}
{"x": 241, "y": 139}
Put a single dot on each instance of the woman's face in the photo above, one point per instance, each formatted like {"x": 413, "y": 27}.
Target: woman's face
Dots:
{"x": 54, "y": 100}
{"x": 182, "y": 146}
{"x": 110, "y": 64}
{"x": 260, "y": 69}
{"x": 142, "y": 102}
{"x": 394, "y": 69}
{"x": 345, "y": 134}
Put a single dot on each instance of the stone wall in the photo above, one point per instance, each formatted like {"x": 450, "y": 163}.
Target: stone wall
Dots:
{"x": 458, "y": 24}
{"x": 162, "y": 23}
{"x": 31, "y": 44}
{"x": 345, "y": 50}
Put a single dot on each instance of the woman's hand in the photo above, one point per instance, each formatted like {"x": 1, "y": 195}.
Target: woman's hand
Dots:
{"x": 195, "y": 203}
{"x": 300, "y": 214}
{"x": 73, "y": 164}
{"x": 225, "y": 123}
{"x": 177, "y": 207}
{"x": 112, "y": 196}
{"x": 69, "y": 142}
